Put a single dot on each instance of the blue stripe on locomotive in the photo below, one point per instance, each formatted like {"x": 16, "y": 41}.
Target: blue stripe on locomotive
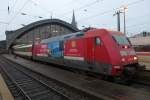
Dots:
{"x": 55, "y": 49}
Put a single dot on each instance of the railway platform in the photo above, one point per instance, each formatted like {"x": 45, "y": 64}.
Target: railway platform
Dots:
{"x": 147, "y": 64}
{"x": 4, "y": 91}
{"x": 99, "y": 88}
{"x": 144, "y": 60}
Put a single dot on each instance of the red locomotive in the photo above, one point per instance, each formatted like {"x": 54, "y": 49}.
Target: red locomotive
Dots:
{"x": 98, "y": 51}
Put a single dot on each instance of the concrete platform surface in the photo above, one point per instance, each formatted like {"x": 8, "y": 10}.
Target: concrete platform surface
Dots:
{"x": 147, "y": 64}
{"x": 4, "y": 91}
{"x": 1, "y": 97}
{"x": 95, "y": 87}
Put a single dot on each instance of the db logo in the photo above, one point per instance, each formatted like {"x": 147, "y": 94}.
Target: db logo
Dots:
{"x": 73, "y": 43}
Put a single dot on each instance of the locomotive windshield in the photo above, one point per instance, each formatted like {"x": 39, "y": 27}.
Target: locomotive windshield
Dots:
{"x": 121, "y": 39}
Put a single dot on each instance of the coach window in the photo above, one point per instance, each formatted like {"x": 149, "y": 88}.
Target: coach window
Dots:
{"x": 97, "y": 41}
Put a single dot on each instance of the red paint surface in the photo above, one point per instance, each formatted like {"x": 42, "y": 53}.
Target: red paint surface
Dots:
{"x": 89, "y": 49}
{"x": 40, "y": 50}
{"x": 108, "y": 52}
{"x": 74, "y": 47}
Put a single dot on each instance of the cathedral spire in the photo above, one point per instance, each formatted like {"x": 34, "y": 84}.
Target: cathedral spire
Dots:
{"x": 74, "y": 23}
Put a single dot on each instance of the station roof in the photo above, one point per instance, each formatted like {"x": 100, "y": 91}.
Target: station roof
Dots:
{"x": 3, "y": 44}
{"x": 12, "y": 35}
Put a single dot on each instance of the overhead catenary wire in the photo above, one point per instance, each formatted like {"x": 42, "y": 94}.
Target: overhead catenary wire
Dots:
{"x": 137, "y": 25}
{"x": 134, "y": 25}
{"x": 85, "y": 6}
{"x": 101, "y": 13}
{"x": 88, "y": 4}
{"x": 9, "y": 8}
{"x": 135, "y": 2}
{"x": 13, "y": 7}
{"x": 41, "y": 7}
{"x": 111, "y": 10}
{"x": 79, "y": 8}
{"x": 19, "y": 12}
{"x": 133, "y": 28}
{"x": 30, "y": 15}
{"x": 12, "y": 19}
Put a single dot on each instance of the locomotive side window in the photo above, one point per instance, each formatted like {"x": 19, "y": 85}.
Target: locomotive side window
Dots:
{"x": 97, "y": 41}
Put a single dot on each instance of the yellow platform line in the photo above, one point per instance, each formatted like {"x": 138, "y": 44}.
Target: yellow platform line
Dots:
{"x": 4, "y": 91}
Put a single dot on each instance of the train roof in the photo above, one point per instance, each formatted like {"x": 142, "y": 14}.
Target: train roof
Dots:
{"x": 103, "y": 31}
{"x": 81, "y": 33}
{"x": 63, "y": 37}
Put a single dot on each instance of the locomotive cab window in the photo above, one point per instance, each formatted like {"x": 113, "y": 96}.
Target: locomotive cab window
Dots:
{"x": 97, "y": 41}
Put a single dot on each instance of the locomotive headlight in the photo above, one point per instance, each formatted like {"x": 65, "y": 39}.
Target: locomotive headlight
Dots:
{"x": 123, "y": 59}
{"x": 135, "y": 58}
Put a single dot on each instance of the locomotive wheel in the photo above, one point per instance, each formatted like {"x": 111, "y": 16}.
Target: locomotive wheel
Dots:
{"x": 128, "y": 75}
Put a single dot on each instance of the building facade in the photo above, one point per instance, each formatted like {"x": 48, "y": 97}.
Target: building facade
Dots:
{"x": 42, "y": 32}
{"x": 37, "y": 31}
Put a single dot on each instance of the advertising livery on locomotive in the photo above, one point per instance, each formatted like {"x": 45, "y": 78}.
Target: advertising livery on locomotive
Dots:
{"x": 99, "y": 51}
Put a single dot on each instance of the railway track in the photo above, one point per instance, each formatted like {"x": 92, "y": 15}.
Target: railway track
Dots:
{"x": 142, "y": 81}
{"x": 143, "y": 77}
{"x": 70, "y": 92}
{"x": 25, "y": 84}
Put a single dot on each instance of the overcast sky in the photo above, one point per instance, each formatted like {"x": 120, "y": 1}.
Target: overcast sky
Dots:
{"x": 95, "y": 13}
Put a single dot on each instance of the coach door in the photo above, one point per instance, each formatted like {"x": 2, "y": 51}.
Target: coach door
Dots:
{"x": 89, "y": 50}
{"x": 97, "y": 48}
{"x": 100, "y": 53}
